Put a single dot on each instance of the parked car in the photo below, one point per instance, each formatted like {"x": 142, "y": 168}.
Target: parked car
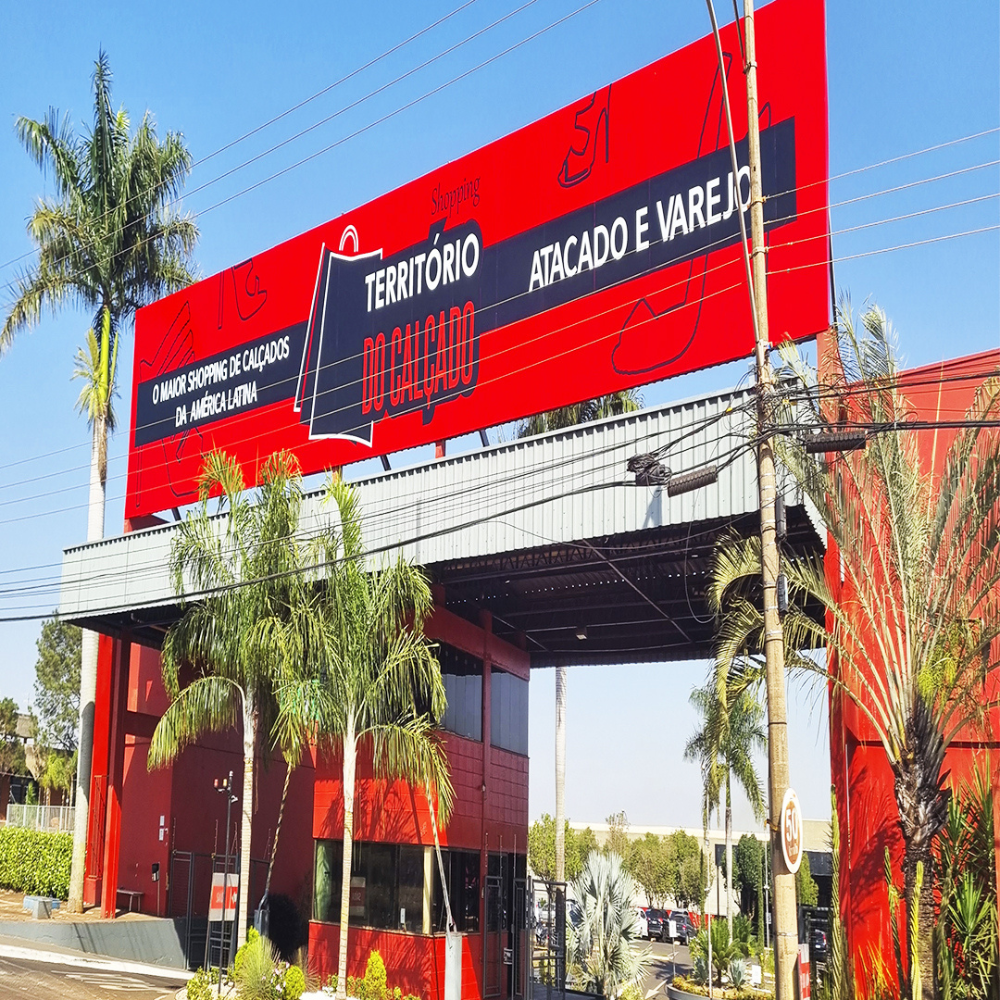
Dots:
{"x": 656, "y": 924}
{"x": 817, "y": 945}
{"x": 642, "y": 925}
{"x": 684, "y": 929}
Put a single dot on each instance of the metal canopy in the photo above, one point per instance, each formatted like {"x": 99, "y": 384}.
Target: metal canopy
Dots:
{"x": 550, "y": 534}
{"x": 630, "y": 598}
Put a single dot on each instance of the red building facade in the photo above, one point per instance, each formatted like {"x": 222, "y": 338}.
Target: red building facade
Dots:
{"x": 862, "y": 778}
{"x": 170, "y": 818}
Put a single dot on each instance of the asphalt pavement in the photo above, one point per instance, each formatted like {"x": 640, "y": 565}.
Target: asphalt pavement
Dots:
{"x": 21, "y": 978}
{"x": 665, "y": 961}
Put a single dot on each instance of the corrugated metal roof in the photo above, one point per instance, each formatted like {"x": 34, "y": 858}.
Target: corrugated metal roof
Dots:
{"x": 555, "y": 488}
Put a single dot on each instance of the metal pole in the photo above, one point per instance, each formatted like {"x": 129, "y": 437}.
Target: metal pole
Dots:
{"x": 225, "y": 876}
{"x": 785, "y": 929}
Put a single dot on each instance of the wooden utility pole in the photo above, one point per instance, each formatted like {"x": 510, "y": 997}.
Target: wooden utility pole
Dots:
{"x": 786, "y": 941}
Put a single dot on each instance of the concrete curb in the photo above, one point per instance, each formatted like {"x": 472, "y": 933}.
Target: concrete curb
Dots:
{"x": 83, "y": 961}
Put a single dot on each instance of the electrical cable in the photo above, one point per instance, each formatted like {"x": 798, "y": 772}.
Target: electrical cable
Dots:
{"x": 445, "y": 396}
{"x": 295, "y": 107}
{"x": 365, "y": 128}
{"x": 512, "y": 487}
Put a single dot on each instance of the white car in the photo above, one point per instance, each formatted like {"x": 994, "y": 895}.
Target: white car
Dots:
{"x": 642, "y": 927}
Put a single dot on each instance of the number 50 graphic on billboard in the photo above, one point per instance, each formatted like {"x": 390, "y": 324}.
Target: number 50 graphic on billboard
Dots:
{"x": 594, "y": 250}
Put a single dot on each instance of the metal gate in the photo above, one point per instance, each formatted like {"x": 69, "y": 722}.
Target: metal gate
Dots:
{"x": 493, "y": 945}
{"x": 548, "y": 921}
{"x": 188, "y": 891}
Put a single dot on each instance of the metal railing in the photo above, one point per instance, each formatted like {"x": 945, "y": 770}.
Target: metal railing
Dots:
{"x": 52, "y": 819}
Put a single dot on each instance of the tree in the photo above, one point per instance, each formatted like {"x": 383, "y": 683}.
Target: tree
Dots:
{"x": 109, "y": 242}
{"x": 650, "y": 864}
{"x": 724, "y": 948}
{"x": 254, "y": 629}
{"x": 373, "y": 683}
{"x": 914, "y": 566}
{"x": 732, "y": 729}
{"x": 601, "y": 944}
{"x": 57, "y": 684}
{"x": 687, "y": 871}
{"x": 748, "y": 878}
{"x": 806, "y": 889}
{"x": 541, "y": 848}
{"x": 618, "y": 841}
{"x": 612, "y": 405}
{"x": 11, "y": 744}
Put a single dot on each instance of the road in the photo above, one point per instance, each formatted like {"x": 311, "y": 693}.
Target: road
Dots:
{"x": 665, "y": 960}
{"x": 20, "y": 978}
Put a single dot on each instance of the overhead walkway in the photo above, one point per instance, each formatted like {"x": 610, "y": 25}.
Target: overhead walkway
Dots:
{"x": 550, "y": 534}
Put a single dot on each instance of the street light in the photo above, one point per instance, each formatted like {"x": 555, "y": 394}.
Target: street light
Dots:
{"x": 225, "y": 787}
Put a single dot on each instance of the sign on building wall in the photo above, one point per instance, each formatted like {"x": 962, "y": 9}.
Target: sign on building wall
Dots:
{"x": 594, "y": 250}
{"x": 225, "y": 893}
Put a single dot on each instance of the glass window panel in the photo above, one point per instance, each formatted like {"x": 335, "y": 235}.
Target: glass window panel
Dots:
{"x": 326, "y": 897}
{"x": 462, "y": 675}
{"x": 411, "y": 889}
{"x": 462, "y": 871}
{"x": 509, "y": 712}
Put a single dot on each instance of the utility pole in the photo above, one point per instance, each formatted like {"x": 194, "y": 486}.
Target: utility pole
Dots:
{"x": 785, "y": 924}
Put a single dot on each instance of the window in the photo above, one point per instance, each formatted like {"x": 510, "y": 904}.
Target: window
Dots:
{"x": 387, "y": 885}
{"x": 462, "y": 872}
{"x": 509, "y": 712}
{"x": 463, "y": 683}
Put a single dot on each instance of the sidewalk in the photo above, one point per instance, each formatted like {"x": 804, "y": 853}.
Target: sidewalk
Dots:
{"x": 28, "y": 951}
{"x": 132, "y": 942}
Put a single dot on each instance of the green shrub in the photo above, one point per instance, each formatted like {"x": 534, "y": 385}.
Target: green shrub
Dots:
{"x": 199, "y": 987}
{"x": 256, "y": 978}
{"x": 35, "y": 862}
{"x": 241, "y": 952}
{"x": 375, "y": 979}
{"x": 295, "y": 983}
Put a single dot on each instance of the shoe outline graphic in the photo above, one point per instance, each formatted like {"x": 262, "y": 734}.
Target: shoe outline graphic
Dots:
{"x": 578, "y": 164}
{"x": 637, "y": 352}
{"x": 175, "y": 350}
{"x": 247, "y": 293}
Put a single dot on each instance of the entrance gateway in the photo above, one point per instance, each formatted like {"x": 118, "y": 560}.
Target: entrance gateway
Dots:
{"x": 594, "y": 251}
{"x": 541, "y": 541}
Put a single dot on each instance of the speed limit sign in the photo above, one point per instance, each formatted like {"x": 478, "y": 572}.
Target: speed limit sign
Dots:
{"x": 791, "y": 831}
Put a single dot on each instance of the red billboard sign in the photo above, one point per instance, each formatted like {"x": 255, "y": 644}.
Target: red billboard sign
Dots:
{"x": 594, "y": 250}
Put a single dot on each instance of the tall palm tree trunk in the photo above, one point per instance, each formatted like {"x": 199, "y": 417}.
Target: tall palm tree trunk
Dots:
{"x": 561, "y": 773}
{"x": 729, "y": 856}
{"x": 277, "y": 829}
{"x": 246, "y": 815}
{"x": 88, "y": 679}
{"x": 350, "y": 767}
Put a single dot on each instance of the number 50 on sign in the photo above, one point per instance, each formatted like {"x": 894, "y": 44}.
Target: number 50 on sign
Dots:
{"x": 791, "y": 831}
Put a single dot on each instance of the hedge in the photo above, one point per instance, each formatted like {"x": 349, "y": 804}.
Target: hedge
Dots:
{"x": 35, "y": 862}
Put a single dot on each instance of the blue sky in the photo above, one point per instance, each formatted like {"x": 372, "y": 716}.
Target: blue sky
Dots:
{"x": 902, "y": 78}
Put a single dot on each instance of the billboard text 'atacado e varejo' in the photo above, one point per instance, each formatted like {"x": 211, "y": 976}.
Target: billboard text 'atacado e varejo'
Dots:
{"x": 593, "y": 250}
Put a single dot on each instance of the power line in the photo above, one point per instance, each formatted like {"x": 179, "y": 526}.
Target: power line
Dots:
{"x": 549, "y": 333}
{"x": 368, "y": 126}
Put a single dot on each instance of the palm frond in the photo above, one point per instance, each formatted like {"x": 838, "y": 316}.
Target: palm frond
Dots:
{"x": 207, "y": 704}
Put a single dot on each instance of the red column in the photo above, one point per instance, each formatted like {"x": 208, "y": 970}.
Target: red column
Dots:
{"x": 116, "y": 764}
{"x": 92, "y": 885}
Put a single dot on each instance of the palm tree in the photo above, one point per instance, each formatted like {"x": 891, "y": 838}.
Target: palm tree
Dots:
{"x": 732, "y": 729}
{"x": 254, "y": 625}
{"x": 612, "y": 405}
{"x": 108, "y": 242}
{"x": 601, "y": 943}
{"x": 912, "y": 637}
{"x": 376, "y": 687}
